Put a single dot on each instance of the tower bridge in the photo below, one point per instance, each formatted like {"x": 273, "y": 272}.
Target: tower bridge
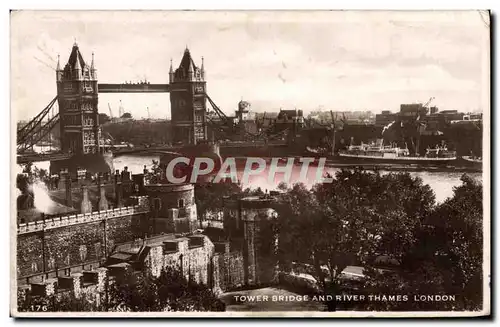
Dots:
{"x": 78, "y": 117}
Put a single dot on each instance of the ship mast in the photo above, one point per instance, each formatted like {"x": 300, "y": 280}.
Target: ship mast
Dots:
{"x": 334, "y": 131}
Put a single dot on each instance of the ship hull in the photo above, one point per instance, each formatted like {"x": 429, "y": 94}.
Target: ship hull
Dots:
{"x": 473, "y": 163}
{"x": 420, "y": 161}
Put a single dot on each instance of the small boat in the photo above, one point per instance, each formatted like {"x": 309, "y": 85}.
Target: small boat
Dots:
{"x": 472, "y": 161}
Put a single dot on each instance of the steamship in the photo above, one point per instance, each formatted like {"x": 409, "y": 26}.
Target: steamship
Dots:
{"x": 392, "y": 154}
{"x": 387, "y": 154}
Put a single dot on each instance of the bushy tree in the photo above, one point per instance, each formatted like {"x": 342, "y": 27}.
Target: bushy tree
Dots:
{"x": 142, "y": 292}
{"x": 357, "y": 217}
{"x": 445, "y": 259}
{"x": 210, "y": 196}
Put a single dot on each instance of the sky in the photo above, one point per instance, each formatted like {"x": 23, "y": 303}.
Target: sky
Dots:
{"x": 336, "y": 60}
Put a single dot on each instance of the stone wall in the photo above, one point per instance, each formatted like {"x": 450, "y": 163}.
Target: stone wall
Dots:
{"x": 230, "y": 270}
{"x": 199, "y": 259}
{"x": 89, "y": 284}
{"x": 189, "y": 254}
{"x": 64, "y": 245}
{"x": 61, "y": 247}
{"x": 259, "y": 251}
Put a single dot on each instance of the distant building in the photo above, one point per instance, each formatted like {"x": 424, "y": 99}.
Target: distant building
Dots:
{"x": 243, "y": 113}
{"x": 385, "y": 118}
{"x": 412, "y": 110}
{"x": 293, "y": 119}
{"x": 266, "y": 119}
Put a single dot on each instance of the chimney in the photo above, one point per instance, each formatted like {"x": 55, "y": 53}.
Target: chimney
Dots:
{"x": 86, "y": 205}
{"x": 69, "y": 198}
{"x": 118, "y": 195}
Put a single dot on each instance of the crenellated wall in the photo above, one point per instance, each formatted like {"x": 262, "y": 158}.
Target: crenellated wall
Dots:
{"x": 66, "y": 244}
{"x": 156, "y": 231}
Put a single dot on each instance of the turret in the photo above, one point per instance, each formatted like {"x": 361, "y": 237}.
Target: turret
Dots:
{"x": 171, "y": 72}
{"x": 202, "y": 70}
{"x": 190, "y": 71}
{"x": 93, "y": 71}
{"x": 59, "y": 72}
{"x": 77, "y": 68}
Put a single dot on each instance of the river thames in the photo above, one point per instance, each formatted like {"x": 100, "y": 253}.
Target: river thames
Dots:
{"x": 442, "y": 183}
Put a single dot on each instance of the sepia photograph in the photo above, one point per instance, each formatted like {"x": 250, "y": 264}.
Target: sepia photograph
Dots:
{"x": 250, "y": 163}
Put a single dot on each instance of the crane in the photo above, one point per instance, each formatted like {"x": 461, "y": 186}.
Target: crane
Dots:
{"x": 428, "y": 102}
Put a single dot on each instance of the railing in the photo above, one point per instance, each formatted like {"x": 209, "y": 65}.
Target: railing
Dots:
{"x": 62, "y": 221}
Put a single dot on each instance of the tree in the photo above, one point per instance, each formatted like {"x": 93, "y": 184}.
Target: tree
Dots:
{"x": 135, "y": 291}
{"x": 179, "y": 294}
{"x": 456, "y": 234}
{"x": 445, "y": 259}
{"x": 210, "y": 196}
{"x": 141, "y": 292}
{"x": 126, "y": 115}
{"x": 357, "y": 217}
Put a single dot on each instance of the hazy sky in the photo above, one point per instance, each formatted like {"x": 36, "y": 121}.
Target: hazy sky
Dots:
{"x": 337, "y": 60}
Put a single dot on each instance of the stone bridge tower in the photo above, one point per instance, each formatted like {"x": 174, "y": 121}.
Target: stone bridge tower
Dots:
{"x": 77, "y": 98}
{"x": 188, "y": 101}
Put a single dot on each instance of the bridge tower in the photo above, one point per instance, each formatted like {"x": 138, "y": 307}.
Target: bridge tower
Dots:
{"x": 188, "y": 101}
{"x": 77, "y": 97}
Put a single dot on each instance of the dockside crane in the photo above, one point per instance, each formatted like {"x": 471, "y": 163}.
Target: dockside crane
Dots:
{"x": 428, "y": 102}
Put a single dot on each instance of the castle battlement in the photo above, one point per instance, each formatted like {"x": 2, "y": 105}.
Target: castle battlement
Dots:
{"x": 62, "y": 221}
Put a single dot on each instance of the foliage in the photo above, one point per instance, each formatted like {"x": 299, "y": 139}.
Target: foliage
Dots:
{"x": 155, "y": 175}
{"x": 253, "y": 192}
{"x": 141, "y": 292}
{"x": 362, "y": 216}
{"x": 127, "y": 115}
{"x": 210, "y": 196}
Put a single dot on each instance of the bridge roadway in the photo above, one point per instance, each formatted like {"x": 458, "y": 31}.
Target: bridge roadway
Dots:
{"x": 133, "y": 88}
{"x": 34, "y": 157}
{"x": 181, "y": 149}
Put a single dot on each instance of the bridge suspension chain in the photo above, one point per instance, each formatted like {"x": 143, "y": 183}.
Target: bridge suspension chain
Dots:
{"x": 25, "y": 131}
{"x": 36, "y": 130}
